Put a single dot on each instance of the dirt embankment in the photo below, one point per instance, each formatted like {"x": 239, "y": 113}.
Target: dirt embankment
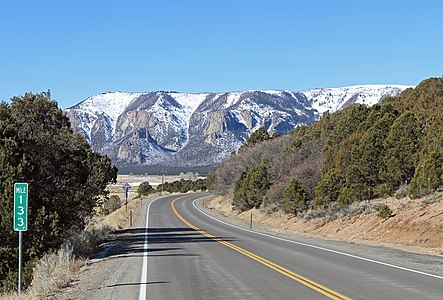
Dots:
{"x": 415, "y": 224}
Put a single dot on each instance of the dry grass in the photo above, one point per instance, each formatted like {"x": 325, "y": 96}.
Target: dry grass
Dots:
{"x": 14, "y": 296}
{"x": 55, "y": 270}
{"x": 118, "y": 218}
{"x": 414, "y": 224}
{"x": 52, "y": 272}
{"x": 336, "y": 211}
{"x": 85, "y": 243}
{"x": 221, "y": 203}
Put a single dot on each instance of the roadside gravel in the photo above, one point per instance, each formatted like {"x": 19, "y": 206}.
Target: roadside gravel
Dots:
{"x": 99, "y": 278}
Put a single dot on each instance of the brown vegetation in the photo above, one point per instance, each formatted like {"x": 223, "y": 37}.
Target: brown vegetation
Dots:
{"x": 414, "y": 225}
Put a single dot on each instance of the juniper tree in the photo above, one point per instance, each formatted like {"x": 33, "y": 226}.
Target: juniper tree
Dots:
{"x": 66, "y": 178}
{"x": 295, "y": 199}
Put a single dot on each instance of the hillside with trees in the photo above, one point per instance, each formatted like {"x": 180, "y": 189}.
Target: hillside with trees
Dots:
{"x": 356, "y": 154}
{"x": 66, "y": 180}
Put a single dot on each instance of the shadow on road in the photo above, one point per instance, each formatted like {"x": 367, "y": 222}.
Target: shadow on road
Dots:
{"x": 130, "y": 242}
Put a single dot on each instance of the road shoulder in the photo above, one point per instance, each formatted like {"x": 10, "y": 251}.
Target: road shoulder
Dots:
{"x": 407, "y": 259}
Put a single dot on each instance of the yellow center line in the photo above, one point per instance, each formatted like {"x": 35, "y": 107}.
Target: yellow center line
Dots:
{"x": 288, "y": 273}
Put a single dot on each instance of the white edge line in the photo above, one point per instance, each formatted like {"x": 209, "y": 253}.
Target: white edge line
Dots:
{"x": 317, "y": 247}
{"x": 144, "y": 277}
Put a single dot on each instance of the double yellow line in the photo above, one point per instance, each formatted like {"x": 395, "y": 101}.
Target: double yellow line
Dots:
{"x": 288, "y": 273}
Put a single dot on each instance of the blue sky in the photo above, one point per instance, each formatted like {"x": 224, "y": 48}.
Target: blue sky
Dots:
{"x": 80, "y": 48}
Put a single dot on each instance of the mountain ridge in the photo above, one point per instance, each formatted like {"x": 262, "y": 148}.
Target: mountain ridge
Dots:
{"x": 202, "y": 128}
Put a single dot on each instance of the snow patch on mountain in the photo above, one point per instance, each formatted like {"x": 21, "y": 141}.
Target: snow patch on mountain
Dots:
{"x": 333, "y": 99}
{"x": 111, "y": 104}
{"x": 189, "y": 102}
{"x": 233, "y": 97}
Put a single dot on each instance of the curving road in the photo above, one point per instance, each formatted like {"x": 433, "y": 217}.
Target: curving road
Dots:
{"x": 186, "y": 254}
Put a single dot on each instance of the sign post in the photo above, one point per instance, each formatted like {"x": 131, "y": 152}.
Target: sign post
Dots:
{"x": 126, "y": 187}
{"x": 20, "y": 222}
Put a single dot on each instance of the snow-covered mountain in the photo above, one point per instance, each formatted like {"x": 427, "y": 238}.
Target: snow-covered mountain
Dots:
{"x": 333, "y": 99}
{"x": 201, "y": 129}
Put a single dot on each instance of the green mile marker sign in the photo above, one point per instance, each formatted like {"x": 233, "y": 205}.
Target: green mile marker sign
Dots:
{"x": 20, "y": 206}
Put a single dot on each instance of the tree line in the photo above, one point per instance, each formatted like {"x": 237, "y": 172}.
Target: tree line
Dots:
{"x": 356, "y": 154}
{"x": 178, "y": 186}
{"x": 66, "y": 180}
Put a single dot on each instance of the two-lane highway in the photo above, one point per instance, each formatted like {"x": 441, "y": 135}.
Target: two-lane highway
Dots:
{"x": 191, "y": 255}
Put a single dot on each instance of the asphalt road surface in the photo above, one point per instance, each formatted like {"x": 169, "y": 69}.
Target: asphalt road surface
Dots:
{"x": 183, "y": 253}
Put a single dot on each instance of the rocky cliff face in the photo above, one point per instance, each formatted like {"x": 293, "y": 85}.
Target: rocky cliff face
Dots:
{"x": 201, "y": 129}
